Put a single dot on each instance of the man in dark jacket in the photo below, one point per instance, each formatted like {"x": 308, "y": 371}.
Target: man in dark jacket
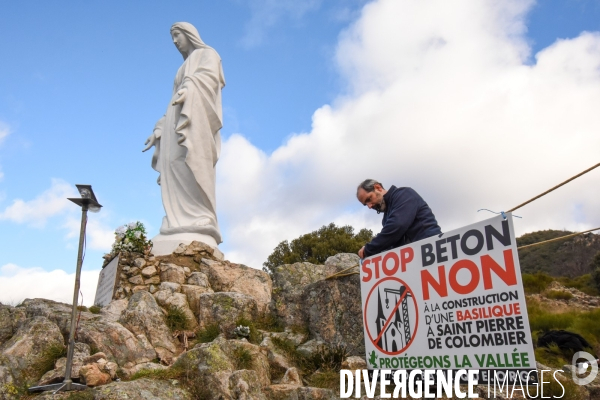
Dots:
{"x": 406, "y": 216}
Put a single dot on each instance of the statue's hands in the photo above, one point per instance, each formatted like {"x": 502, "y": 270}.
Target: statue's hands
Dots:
{"x": 181, "y": 97}
{"x": 151, "y": 141}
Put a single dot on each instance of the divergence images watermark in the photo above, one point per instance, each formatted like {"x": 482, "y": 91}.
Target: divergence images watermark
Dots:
{"x": 430, "y": 383}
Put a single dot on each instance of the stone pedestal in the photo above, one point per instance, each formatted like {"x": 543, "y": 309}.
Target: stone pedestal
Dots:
{"x": 166, "y": 244}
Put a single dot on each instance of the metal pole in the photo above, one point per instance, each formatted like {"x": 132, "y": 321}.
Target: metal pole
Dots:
{"x": 68, "y": 381}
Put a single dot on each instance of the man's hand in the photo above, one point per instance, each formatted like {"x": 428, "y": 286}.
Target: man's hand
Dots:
{"x": 361, "y": 252}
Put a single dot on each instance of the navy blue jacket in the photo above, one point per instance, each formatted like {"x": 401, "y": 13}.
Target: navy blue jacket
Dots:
{"x": 406, "y": 219}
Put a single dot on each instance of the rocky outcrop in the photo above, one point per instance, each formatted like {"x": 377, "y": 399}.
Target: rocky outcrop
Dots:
{"x": 329, "y": 309}
{"x": 218, "y": 363}
{"x": 143, "y": 316}
{"x": 131, "y": 333}
{"x": 225, "y": 309}
{"x": 23, "y": 351}
{"x": 141, "y": 389}
{"x": 81, "y": 353}
{"x": 334, "y": 312}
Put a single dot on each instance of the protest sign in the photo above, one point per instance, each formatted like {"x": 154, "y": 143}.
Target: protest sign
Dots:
{"x": 452, "y": 301}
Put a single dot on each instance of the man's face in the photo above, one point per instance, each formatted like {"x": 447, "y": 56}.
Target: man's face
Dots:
{"x": 373, "y": 200}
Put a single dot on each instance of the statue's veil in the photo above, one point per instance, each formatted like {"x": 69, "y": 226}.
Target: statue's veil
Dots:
{"x": 192, "y": 34}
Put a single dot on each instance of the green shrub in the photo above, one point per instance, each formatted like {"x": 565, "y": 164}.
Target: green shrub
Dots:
{"x": 242, "y": 358}
{"x": 584, "y": 283}
{"x": 49, "y": 357}
{"x": 558, "y": 295}
{"x": 82, "y": 308}
{"x": 177, "y": 320}
{"x": 536, "y": 283}
{"x": 209, "y": 333}
{"x": 95, "y": 309}
{"x": 542, "y": 320}
{"x": 317, "y": 246}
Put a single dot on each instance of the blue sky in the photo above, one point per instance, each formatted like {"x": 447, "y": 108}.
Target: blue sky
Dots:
{"x": 82, "y": 85}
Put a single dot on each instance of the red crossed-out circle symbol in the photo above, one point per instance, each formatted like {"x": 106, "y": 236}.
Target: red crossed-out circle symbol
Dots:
{"x": 407, "y": 292}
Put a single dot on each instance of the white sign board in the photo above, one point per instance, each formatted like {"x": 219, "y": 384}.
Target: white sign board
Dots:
{"x": 106, "y": 283}
{"x": 451, "y": 301}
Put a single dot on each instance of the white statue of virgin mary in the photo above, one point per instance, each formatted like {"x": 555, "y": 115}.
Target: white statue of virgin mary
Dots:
{"x": 187, "y": 144}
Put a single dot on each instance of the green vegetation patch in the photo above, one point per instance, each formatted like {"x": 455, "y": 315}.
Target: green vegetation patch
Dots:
{"x": 95, "y": 309}
{"x": 208, "y": 333}
{"x": 243, "y": 358}
{"x": 48, "y": 358}
{"x": 558, "y": 295}
{"x": 317, "y": 246}
{"x": 176, "y": 319}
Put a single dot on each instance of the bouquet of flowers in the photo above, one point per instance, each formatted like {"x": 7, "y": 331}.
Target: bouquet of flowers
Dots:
{"x": 131, "y": 238}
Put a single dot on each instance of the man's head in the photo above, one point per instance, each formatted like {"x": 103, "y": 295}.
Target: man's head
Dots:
{"x": 370, "y": 193}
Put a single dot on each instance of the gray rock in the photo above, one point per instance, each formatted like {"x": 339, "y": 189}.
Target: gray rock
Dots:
{"x": 149, "y": 366}
{"x": 149, "y": 272}
{"x": 140, "y": 389}
{"x": 192, "y": 293}
{"x": 172, "y": 287}
{"x": 80, "y": 353}
{"x": 292, "y": 377}
{"x": 224, "y": 276}
{"x": 139, "y": 262}
{"x": 167, "y": 299}
{"x": 172, "y": 273}
{"x": 112, "y": 312}
{"x": 225, "y": 308}
{"x": 310, "y": 348}
{"x": 216, "y": 361}
{"x": 136, "y": 280}
{"x": 334, "y": 312}
{"x": 119, "y": 344}
{"x": 198, "y": 279}
{"x": 245, "y": 385}
{"x": 143, "y": 316}
{"x": 25, "y": 349}
{"x": 6, "y": 323}
{"x": 7, "y": 383}
{"x": 288, "y": 284}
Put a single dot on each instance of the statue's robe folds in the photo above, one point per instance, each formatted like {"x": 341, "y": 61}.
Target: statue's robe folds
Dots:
{"x": 189, "y": 146}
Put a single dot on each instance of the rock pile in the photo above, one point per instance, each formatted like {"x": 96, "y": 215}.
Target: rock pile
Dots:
{"x": 296, "y": 318}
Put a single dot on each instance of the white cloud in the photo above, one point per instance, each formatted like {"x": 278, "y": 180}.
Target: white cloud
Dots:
{"x": 267, "y": 13}
{"x": 98, "y": 235}
{"x": 4, "y": 131}
{"x": 37, "y": 211}
{"x": 441, "y": 97}
{"x": 18, "y": 284}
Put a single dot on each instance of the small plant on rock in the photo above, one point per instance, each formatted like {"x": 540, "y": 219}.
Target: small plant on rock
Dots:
{"x": 177, "y": 320}
{"x": 95, "y": 309}
{"x": 241, "y": 331}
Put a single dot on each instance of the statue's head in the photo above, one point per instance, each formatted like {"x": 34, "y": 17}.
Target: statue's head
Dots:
{"x": 186, "y": 38}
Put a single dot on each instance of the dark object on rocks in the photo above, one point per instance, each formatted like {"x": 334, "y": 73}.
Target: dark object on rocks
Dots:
{"x": 565, "y": 340}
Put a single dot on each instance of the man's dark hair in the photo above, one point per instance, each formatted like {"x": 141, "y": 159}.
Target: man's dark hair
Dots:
{"x": 368, "y": 185}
